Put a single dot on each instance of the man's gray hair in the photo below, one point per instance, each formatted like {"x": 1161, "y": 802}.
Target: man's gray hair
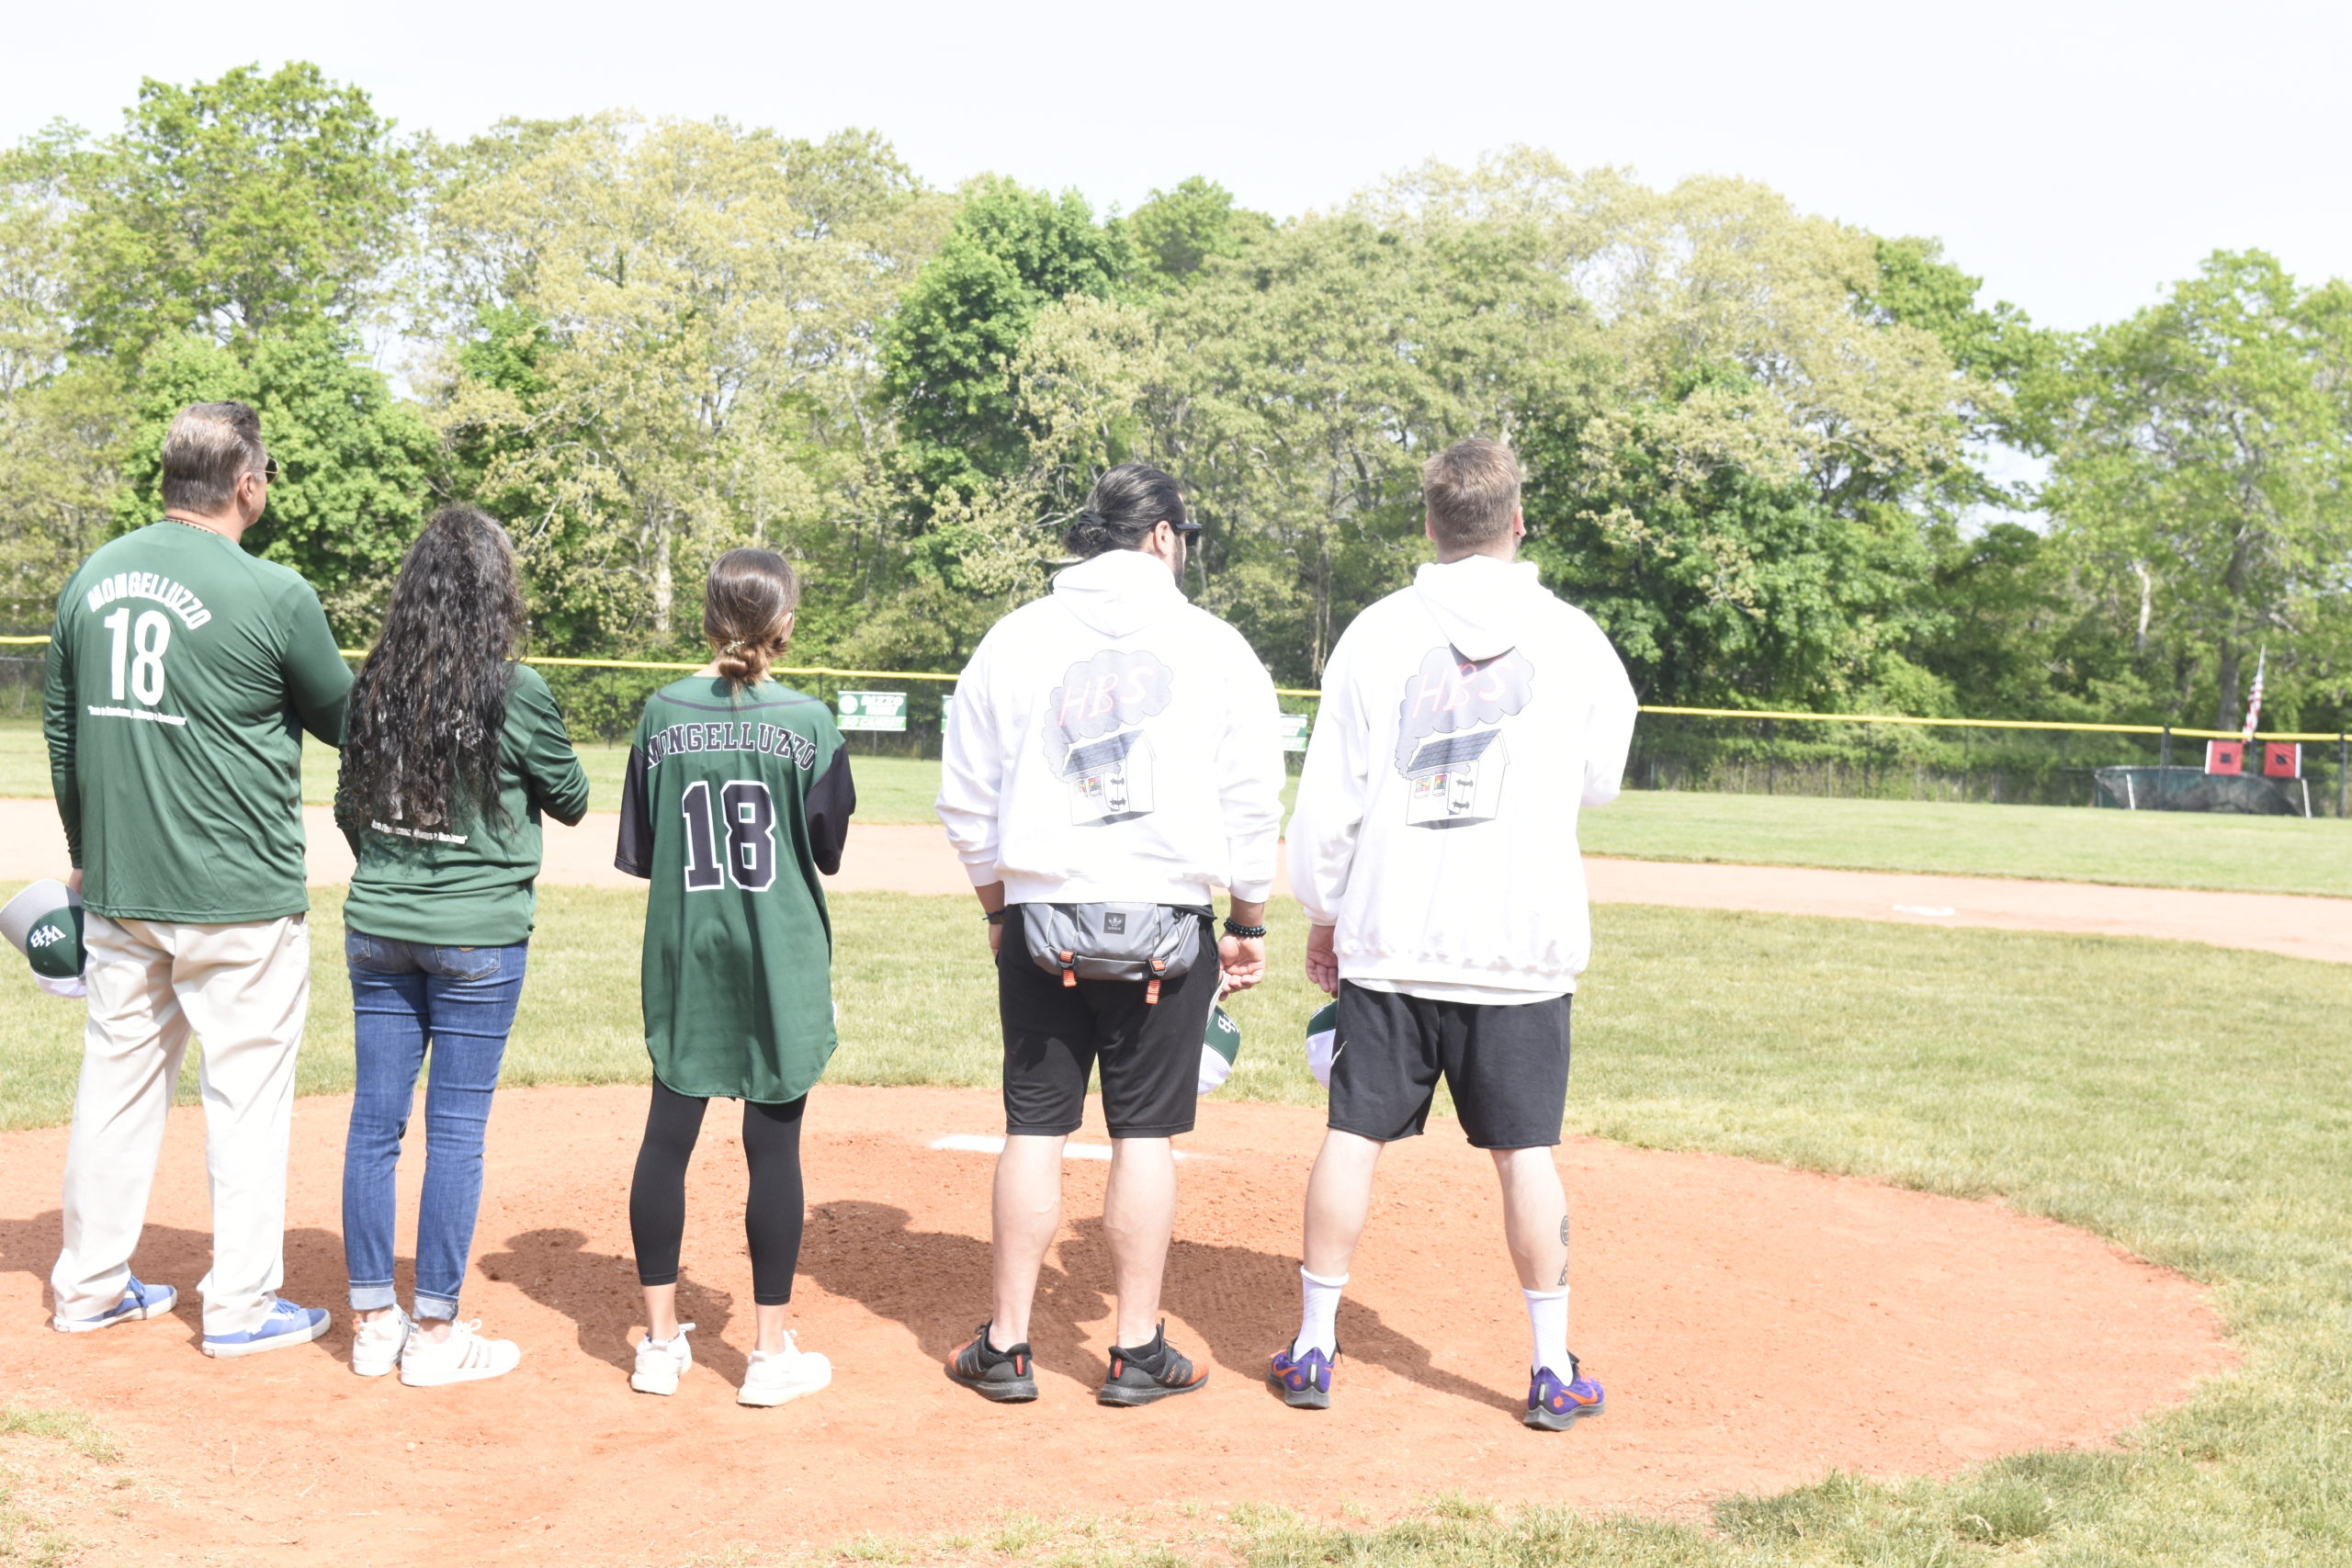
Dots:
{"x": 208, "y": 448}
{"x": 1472, "y": 490}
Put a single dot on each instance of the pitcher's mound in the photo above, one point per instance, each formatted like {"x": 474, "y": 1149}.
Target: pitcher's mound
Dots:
{"x": 1754, "y": 1327}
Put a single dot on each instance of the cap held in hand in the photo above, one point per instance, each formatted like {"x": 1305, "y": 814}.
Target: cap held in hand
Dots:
{"x": 44, "y": 923}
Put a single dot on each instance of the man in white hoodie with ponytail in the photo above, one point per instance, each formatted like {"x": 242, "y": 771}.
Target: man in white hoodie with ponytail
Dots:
{"x": 1464, "y": 720}
{"x": 1114, "y": 758}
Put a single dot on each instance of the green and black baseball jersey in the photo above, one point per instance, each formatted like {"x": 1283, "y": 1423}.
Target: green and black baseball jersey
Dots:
{"x": 735, "y": 801}
{"x": 182, "y": 673}
{"x": 473, "y": 884}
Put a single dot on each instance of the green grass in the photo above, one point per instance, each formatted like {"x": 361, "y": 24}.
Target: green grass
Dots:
{"x": 2138, "y": 849}
{"x": 28, "y": 1536}
{"x": 2192, "y": 1104}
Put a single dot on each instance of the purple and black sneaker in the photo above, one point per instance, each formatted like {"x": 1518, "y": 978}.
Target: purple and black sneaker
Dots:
{"x": 1553, "y": 1405}
{"x": 1306, "y": 1381}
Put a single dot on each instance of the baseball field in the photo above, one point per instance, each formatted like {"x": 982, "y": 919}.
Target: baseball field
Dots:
{"x": 1896, "y": 1244}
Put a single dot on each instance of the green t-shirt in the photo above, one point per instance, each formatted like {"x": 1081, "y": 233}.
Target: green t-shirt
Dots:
{"x": 182, "y": 673}
{"x": 471, "y": 886}
{"x": 734, "y": 802}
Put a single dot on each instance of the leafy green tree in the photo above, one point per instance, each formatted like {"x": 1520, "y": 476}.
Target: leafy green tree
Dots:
{"x": 1724, "y": 579}
{"x": 243, "y": 204}
{"x": 59, "y": 419}
{"x": 2202, "y": 477}
{"x": 673, "y": 349}
{"x": 356, "y": 464}
{"x": 1176, "y": 231}
{"x": 1309, "y": 376}
{"x": 1011, "y": 252}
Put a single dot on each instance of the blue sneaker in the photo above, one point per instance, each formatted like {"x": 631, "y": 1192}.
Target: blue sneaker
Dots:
{"x": 1555, "y": 1405}
{"x": 137, "y": 1302}
{"x": 1304, "y": 1380}
{"x": 286, "y": 1325}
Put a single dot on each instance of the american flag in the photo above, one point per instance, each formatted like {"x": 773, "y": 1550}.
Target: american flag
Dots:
{"x": 2254, "y": 698}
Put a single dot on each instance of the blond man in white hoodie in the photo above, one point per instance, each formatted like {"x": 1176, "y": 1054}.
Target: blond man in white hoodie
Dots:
{"x": 1114, "y": 758}
{"x": 1465, "y": 721}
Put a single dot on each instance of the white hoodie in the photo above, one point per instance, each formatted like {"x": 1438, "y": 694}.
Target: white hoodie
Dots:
{"x": 1464, "y": 722}
{"x": 1111, "y": 743}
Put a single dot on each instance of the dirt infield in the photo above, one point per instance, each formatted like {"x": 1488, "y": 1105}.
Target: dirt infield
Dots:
{"x": 1754, "y": 1327}
{"x": 896, "y": 858}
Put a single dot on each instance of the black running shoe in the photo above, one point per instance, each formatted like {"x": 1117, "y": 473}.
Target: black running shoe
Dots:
{"x": 1148, "y": 1372}
{"x": 1006, "y": 1376}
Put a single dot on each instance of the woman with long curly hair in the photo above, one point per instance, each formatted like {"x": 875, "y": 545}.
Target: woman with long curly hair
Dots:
{"x": 452, "y": 752}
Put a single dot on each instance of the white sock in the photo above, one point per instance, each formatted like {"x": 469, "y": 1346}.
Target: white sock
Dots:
{"x": 1318, "y": 1318}
{"x": 1547, "y": 1315}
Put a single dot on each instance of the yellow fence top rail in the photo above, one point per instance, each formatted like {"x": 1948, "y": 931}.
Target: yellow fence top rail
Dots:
{"x": 2297, "y": 735}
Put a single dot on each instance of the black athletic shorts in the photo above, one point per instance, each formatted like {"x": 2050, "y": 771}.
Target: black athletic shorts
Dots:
{"x": 1054, "y": 1034}
{"x": 1508, "y": 1067}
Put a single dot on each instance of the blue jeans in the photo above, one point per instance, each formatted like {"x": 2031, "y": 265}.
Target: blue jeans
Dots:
{"x": 406, "y": 998}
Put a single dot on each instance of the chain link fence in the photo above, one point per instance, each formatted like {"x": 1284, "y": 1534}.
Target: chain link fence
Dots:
{"x": 1714, "y": 750}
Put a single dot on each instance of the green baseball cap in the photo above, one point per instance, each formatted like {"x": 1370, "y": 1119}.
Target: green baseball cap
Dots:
{"x": 44, "y": 923}
{"x": 1220, "y": 1048}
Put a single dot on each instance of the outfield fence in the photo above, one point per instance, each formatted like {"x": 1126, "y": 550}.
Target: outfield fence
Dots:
{"x": 1729, "y": 750}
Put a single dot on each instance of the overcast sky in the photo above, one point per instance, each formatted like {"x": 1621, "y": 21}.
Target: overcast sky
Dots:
{"x": 2076, "y": 154}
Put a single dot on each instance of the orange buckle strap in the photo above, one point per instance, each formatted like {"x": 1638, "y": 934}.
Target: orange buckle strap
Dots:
{"x": 1070, "y": 970}
{"x": 1151, "y": 992}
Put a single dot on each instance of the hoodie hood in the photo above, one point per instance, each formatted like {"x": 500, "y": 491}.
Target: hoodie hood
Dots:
{"x": 1119, "y": 592}
{"x": 1481, "y": 603}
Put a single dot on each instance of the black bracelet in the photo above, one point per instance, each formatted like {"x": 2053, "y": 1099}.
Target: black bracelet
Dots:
{"x": 1247, "y": 933}
{"x": 993, "y": 916}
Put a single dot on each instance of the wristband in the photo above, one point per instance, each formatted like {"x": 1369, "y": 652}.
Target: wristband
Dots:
{"x": 993, "y": 916}
{"x": 1247, "y": 933}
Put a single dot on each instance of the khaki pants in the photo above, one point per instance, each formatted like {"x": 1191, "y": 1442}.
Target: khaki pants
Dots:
{"x": 242, "y": 990}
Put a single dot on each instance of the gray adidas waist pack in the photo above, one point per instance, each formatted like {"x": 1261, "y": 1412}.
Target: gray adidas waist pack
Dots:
{"x": 1150, "y": 942}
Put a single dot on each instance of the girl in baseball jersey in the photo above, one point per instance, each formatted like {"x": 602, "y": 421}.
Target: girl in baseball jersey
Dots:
{"x": 737, "y": 796}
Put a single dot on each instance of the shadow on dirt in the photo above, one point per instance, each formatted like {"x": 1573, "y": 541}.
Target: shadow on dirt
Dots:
{"x": 1242, "y": 1301}
{"x": 598, "y": 1291}
{"x": 175, "y": 1256}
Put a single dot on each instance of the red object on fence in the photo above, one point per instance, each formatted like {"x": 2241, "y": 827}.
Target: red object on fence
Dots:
{"x": 2225, "y": 756}
{"x": 2282, "y": 760}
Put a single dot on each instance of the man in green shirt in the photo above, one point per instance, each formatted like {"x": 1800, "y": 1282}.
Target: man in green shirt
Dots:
{"x": 182, "y": 673}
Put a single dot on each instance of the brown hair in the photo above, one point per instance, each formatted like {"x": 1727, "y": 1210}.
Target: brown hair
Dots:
{"x": 208, "y": 449}
{"x": 1471, "y": 490}
{"x": 744, "y": 607}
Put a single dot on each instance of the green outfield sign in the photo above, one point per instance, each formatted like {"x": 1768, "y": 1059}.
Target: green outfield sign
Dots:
{"x": 872, "y": 710}
{"x": 1294, "y": 728}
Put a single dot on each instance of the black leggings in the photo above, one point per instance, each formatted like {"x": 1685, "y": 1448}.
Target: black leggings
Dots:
{"x": 657, "y": 1197}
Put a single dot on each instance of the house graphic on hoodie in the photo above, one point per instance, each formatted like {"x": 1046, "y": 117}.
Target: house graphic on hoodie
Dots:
{"x": 1450, "y": 743}
{"x": 1114, "y": 742}
{"x": 1466, "y": 721}
{"x": 1094, "y": 732}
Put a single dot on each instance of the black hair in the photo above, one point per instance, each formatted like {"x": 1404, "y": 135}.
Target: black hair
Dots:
{"x": 428, "y": 711}
{"x": 1121, "y": 511}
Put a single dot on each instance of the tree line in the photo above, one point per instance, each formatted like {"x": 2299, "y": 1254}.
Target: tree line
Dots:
{"x": 1758, "y": 442}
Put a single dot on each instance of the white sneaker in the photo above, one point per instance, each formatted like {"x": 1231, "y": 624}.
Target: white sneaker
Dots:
{"x": 661, "y": 1363}
{"x": 464, "y": 1357}
{"x": 774, "y": 1379}
{"x": 377, "y": 1343}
